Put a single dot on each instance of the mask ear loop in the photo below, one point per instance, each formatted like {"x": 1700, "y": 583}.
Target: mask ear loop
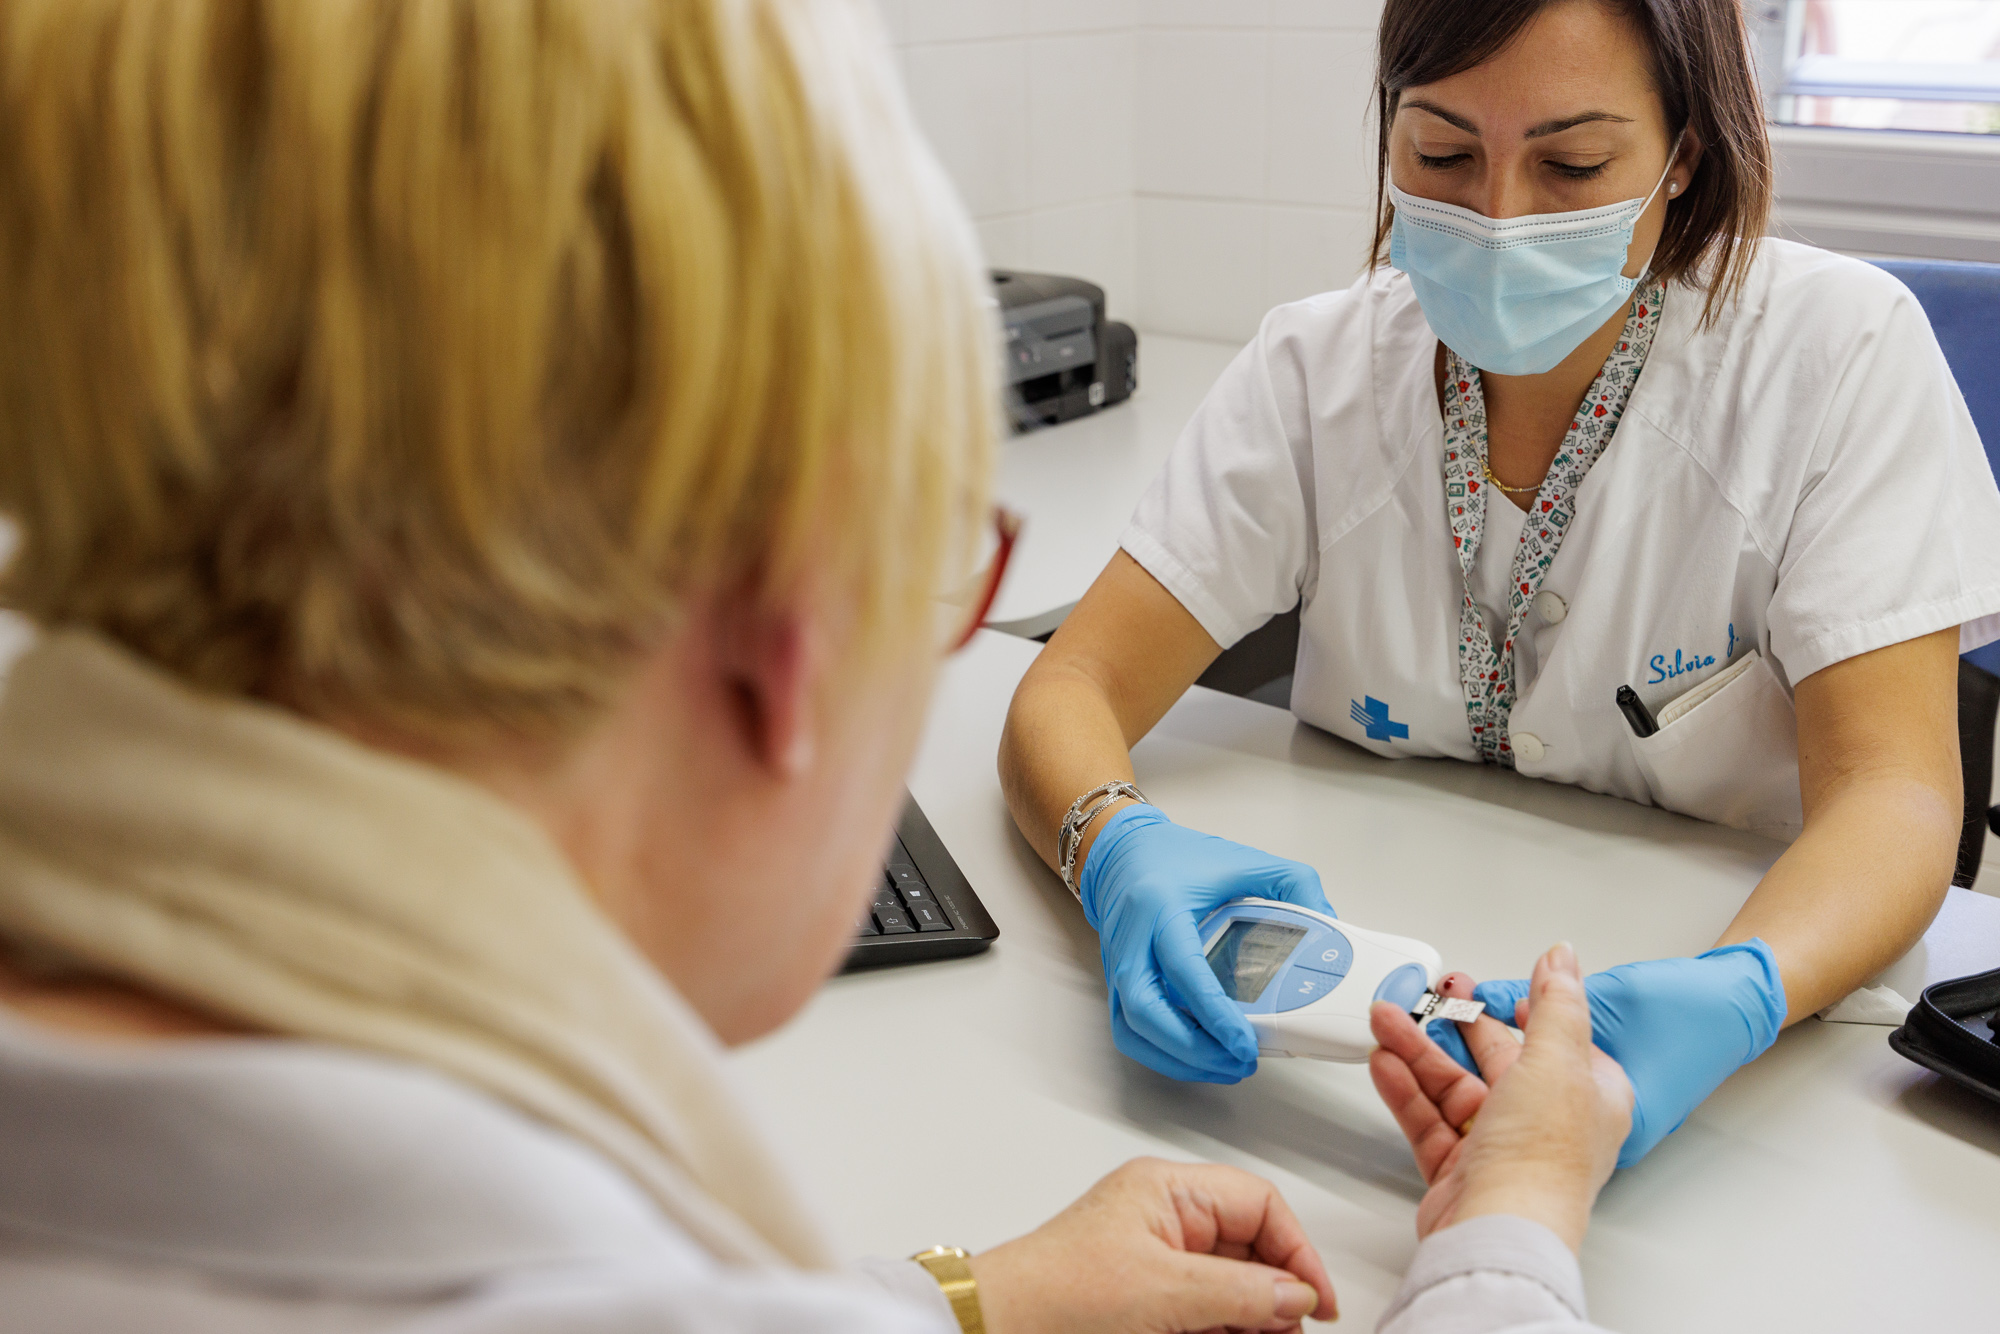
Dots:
{"x": 1673, "y": 156}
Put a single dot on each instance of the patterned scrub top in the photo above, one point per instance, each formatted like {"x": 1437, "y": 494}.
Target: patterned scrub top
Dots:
{"x": 1487, "y": 672}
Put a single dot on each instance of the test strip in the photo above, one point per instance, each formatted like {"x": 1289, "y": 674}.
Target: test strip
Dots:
{"x": 1433, "y": 1006}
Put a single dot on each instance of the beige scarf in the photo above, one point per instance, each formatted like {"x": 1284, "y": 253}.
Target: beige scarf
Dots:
{"x": 238, "y": 857}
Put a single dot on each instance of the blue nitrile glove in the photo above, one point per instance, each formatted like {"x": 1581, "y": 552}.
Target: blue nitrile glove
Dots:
{"x": 1146, "y": 885}
{"x": 1678, "y": 1026}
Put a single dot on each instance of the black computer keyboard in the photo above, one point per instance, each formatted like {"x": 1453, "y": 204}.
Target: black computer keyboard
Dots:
{"x": 903, "y": 902}
{"x": 923, "y": 907}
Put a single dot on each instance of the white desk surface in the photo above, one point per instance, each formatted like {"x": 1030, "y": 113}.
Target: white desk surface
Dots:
{"x": 1829, "y": 1186}
{"x": 1076, "y": 484}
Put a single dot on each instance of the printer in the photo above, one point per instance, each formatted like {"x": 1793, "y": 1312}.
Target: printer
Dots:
{"x": 1064, "y": 359}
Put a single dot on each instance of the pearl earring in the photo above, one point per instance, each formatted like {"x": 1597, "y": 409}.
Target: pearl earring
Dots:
{"x": 1674, "y": 189}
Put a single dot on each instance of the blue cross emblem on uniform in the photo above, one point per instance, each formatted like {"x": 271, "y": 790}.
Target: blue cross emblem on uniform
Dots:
{"x": 1374, "y": 717}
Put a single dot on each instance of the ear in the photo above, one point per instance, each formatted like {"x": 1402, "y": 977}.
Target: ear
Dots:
{"x": 771, "y": 662}
{"x": 1681, "y": 173}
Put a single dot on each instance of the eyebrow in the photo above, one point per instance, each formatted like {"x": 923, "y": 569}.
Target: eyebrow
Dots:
{"x": 1549, "y": 127}
{"x": 1543, "y": 130}
{"x": 1449, "y": 117}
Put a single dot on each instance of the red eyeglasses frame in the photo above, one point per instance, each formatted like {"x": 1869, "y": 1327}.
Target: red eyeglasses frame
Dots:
{"x": 1007, "y": 527}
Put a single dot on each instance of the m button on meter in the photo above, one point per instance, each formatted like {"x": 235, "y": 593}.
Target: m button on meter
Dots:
{"x": 1303, "y": 986}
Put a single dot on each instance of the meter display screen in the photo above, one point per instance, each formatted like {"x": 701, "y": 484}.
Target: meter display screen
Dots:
{"x": 1249, "y": 954}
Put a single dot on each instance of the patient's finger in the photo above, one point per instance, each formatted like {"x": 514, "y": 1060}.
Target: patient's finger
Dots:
{"x": 1434, "y": 1068}
{"x": 1456, "y": 1092}
{"x": 1395, "y": 1029}
{"x": 1492, "y": 1044}
{"x": 1431, "y": 1138}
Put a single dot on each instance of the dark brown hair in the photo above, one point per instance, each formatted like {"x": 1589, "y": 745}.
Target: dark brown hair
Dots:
{"x": 1702, "y": 71}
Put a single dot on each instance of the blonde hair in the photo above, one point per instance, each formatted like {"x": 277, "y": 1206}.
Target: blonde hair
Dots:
{"x": 420, "y": 357}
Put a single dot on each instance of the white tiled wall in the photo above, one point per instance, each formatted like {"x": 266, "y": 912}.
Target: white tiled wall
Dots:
{"x": 1255, "y": 158}
{"x": 1204, "y": 160}
{"x": 1031, "y": 105}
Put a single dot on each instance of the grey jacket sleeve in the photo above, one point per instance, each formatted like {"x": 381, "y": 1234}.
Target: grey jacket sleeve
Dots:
{"x": 1493, "y": 1275}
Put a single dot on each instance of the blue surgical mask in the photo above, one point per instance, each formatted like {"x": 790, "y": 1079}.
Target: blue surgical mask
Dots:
{"x": 1514, "y": 296}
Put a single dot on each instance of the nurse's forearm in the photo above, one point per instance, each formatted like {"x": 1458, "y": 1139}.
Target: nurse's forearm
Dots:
{"x": 1857, "y": 889}
{"x": 1879, "y": 779}
{"x": 1118, "y": 662}
{"x": 1062, "y": 740}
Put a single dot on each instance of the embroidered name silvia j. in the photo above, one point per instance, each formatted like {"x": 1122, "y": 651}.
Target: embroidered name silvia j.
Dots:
{"x": 1680, "y": 666}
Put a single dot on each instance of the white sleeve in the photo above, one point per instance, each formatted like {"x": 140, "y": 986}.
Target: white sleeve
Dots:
{"x": 1227, "y": 526}
{"x": 54, "y": 1294}
{"x": 1897, "y": 530}
{"x": 719, "y": 1304}
{"x": 1493, "y": 1275}
{"x": 910, "y": 1281}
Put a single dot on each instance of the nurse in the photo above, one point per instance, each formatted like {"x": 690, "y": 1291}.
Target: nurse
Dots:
{"x": 1583, "y": 429}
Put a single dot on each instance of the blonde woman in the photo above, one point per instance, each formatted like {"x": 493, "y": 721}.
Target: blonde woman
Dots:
{"x": 471, "y": 691}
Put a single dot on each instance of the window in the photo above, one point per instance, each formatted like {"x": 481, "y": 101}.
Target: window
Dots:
{"x": 1925, "y": 65}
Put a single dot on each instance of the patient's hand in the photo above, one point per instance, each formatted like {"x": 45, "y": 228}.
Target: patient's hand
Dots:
{"x": 1159, "y": 1248}
{"x": 1550, "y": 1113}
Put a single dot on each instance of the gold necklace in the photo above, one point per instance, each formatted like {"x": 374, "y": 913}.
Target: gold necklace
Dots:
{"x": 1487, "y": 468}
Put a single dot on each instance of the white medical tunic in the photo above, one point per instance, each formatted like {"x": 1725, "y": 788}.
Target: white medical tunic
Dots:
{"x": 1792, "y": 486}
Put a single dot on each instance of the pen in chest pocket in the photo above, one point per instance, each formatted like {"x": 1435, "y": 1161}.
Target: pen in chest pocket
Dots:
{"x": 1636, "y": 713}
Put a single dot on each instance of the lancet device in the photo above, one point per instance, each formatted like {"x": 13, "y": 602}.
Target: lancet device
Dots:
{"x": 1305, "y": 980}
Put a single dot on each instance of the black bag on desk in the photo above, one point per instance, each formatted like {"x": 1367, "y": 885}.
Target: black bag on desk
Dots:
{"x": 1950, "y": 1030}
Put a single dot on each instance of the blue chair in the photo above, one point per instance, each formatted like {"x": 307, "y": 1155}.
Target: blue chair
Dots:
{"x": 1963, "y": 303}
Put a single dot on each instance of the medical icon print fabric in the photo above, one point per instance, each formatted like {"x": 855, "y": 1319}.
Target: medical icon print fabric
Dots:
{"x": 1486, "y": 673}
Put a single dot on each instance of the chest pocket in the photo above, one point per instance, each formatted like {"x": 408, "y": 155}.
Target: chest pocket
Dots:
{"x": 1728, "y": 752}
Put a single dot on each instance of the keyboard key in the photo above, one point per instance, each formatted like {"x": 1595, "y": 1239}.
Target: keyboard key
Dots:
{"x": 929, "y": 917}
{"x": 867, "y": 927}
{"x": 907, "y": 878}
{"x": 894, "y": 922}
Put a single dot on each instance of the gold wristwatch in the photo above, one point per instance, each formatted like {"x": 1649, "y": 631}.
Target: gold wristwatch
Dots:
{"x": 949, "y": 1266}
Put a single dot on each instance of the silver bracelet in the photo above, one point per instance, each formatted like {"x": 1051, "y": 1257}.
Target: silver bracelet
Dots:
{"x": 1070, "y": 837}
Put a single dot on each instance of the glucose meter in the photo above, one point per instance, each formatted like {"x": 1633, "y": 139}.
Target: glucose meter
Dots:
{"x": 1305, "y": 980}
